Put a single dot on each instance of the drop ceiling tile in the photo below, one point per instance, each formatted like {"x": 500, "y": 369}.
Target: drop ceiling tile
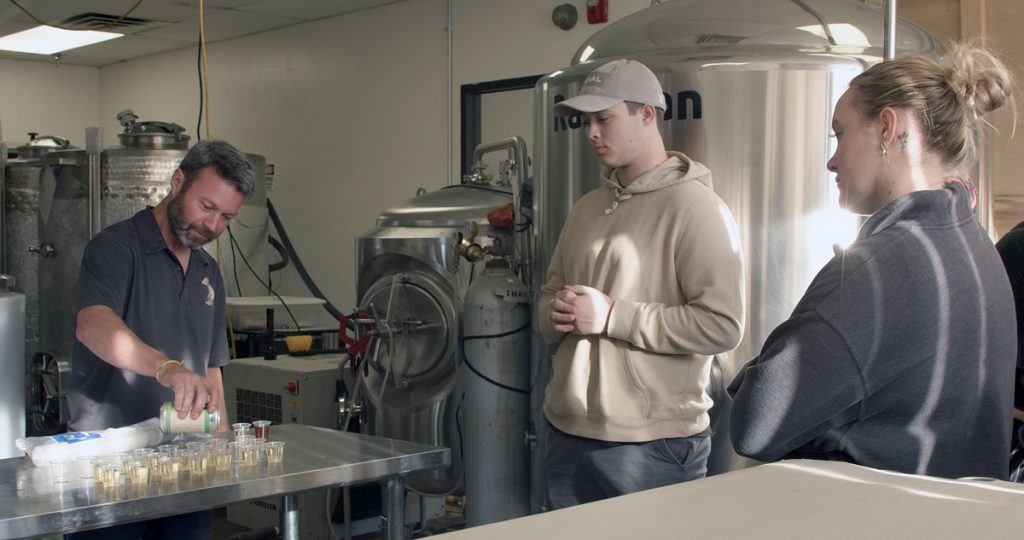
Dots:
{"x": 220, "y": 24}
{"x": 121, "y": 49}
{"x": 232, "y": 3}
{"x": 312, "y": 9}
{"x": 177, "y": 22}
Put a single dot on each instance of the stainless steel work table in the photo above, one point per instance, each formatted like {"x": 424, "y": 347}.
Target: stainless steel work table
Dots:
{"x": 313, "y": 458}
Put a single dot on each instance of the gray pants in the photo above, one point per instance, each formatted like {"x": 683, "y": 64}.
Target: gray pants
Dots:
{"x": 580, "y": 470}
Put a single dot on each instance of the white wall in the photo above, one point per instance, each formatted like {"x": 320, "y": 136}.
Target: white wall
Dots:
{"x": 351, "y": 109}
{"x": 49, "y": 99}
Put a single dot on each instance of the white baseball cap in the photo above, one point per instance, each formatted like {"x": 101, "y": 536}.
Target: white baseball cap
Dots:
{"x": 611, "y": 84}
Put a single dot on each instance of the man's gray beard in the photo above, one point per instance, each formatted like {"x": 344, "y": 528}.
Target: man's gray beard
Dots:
{"x": 175, "y": 217}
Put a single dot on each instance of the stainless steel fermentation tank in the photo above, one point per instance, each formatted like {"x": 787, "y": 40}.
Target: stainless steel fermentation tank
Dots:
{"x": 12, "y": 374}
{"x": 413, "y": 272}
{"x": 22, "y": 211}
{"x": 96, "y": 187}
{"x": 750, "y": 86}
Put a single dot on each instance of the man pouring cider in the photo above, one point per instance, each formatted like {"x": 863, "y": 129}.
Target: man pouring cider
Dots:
{"x": 150, "y": 313}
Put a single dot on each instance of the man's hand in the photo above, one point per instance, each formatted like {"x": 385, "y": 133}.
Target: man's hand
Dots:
{"x": 591, "y": 308}
{"x": 562, "y": 312}
{"x": 192, "y": 392}
{"x": 581, "y": 310}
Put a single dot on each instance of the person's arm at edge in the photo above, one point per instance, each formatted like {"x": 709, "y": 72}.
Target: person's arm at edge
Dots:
{"x": 790, "y": 394}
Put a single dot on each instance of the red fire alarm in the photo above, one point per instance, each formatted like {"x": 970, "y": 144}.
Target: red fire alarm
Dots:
{"x": 597, "y": 11}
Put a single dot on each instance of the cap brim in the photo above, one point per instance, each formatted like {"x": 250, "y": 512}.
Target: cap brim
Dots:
{"x": 587, "y": 104}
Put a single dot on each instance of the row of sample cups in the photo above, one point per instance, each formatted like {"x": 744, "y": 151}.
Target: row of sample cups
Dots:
{"x": 172, "y": 462}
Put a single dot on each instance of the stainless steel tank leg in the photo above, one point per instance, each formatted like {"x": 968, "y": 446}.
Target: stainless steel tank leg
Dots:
{"x": 394, "y": 508}
{"x": 290, "y": 517}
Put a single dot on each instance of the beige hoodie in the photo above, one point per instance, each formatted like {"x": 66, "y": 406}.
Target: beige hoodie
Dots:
{"x": 666, "y": 250}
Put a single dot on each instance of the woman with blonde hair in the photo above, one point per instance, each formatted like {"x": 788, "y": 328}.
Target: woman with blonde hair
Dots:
{"x": 901, "y": 353}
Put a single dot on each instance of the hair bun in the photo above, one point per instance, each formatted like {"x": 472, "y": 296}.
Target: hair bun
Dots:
{"x": 979, "y": 79}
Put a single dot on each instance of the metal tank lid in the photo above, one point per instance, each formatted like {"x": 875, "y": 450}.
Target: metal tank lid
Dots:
{"x": 150, "y": 134}
{"x": 39, "y": 145}
{"x": 452, "y": 206}
{"x": 808, "y": 26}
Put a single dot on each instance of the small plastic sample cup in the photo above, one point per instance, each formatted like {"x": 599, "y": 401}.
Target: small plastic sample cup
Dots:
{"x": 275, "y": 452}
{"x": 169, "y": 468}
{"x": 153, "y": 460}
{"x": 223, "y": 459}
{"x": 261, "y": 428}
{"x": 185, "y": 458}
{"x": 108, "y": 474}
{"x": 100, "y": 469}
{"x": 61, "y": 470}
{"x": 242, "y": 428}
{"x": 85, "y": 468}
{"x": 126, "y": 467}
{"x": 247, "y": 449}
{"x": 139, "y": 472}
{"x": 198, "y": 463}
{"x": 169, "y": 449}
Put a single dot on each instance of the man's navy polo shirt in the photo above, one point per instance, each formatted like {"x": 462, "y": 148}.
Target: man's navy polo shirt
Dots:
{"x": 129, "y": 268}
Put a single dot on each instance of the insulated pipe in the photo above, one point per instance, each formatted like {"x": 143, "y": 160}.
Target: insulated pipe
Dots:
{"x": 301, "y": 268}
{"x": 3, "y": 184}
{"x": 890, "y": 29}
{"x": 450, "y": 29}
{"x": 93, "y": 149}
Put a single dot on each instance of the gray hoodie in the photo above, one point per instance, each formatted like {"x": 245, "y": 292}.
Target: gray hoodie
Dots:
{"x": 900, "y": 355}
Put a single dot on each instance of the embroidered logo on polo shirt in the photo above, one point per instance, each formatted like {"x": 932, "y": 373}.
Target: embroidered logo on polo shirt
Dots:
{"x": 209, "y": 291}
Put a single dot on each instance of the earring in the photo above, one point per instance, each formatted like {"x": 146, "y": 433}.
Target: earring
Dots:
{"x": 885, "y": 147}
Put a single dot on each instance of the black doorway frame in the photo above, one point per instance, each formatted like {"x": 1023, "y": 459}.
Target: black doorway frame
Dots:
{"x": 472, "y": 123}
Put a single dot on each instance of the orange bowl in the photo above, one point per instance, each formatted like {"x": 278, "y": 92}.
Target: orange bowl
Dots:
{"x": 298, "y": 343}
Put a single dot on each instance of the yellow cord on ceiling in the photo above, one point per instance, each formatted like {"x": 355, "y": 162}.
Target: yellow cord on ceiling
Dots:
{"x": 206, "y": 102}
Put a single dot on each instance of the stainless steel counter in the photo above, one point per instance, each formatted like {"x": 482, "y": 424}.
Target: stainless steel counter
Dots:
{"x": 31, "y": 505}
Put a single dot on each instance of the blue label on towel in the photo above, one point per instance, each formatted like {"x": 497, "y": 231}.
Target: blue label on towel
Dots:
{"x": 75, "y": 437}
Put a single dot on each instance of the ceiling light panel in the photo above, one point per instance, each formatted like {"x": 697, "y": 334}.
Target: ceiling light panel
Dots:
{"x": 50, "y": 40}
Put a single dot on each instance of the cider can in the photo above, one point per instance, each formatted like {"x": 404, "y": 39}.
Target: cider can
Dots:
{"x": 170, "y": 423}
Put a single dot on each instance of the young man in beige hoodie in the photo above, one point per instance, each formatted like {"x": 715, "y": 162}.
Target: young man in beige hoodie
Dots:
{"x": 644, "y": 287}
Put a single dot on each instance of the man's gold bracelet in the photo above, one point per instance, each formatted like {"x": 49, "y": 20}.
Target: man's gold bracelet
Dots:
{"x": 162, "y": 366}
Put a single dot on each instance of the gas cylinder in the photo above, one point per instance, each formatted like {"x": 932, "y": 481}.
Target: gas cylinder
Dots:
{"x": 495, "y": 376}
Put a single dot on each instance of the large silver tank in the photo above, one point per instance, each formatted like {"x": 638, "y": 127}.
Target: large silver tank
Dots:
{"x": 751, "y": 85}
{"x": 132, "y": 176}
{"x": 410, "y": 273}
{"x": 21, "y": 226}
{"x": 12, "y": 374}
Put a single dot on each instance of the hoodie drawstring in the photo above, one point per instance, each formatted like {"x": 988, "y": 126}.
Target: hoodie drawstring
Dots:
{"x": 620, "y": 195}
